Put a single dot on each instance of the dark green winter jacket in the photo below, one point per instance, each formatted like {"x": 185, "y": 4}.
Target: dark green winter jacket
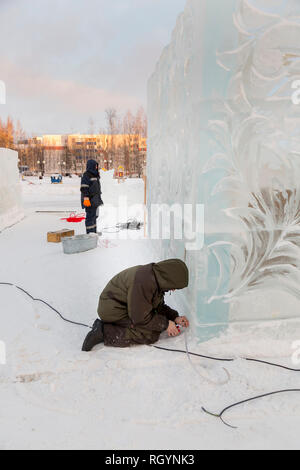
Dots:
{"x": 134, "y": 299}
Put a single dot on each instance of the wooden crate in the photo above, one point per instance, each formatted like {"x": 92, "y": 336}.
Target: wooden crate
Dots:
{"x": 55, "y": 237}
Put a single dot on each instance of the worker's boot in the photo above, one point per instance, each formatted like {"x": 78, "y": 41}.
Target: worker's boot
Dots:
{"x": 94, "y": 337}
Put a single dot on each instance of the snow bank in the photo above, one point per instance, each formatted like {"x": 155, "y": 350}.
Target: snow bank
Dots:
{"x": 10, "y": 191}
{"x": 224, "y": 132}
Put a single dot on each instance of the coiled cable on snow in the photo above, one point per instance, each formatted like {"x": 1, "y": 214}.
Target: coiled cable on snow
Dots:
{"x": 220, "y": 415}
{"x": 246, "y": 401}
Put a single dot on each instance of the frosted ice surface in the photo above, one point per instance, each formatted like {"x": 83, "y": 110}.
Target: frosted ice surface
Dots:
{"x": 10, "y": 191}
{"x": 224, "y": 131}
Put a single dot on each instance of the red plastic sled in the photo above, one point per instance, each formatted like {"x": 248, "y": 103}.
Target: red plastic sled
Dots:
{"x": 75, "y": 218}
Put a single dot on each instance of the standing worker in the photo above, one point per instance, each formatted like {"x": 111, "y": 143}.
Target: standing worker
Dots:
{"x": 91, "y": 195}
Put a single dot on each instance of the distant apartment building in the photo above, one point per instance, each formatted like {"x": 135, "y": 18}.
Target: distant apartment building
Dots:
{"x": 111, "y": 151}
{"x": 64, "y": 154}
{"x": 84, "y": 147}
{"x": 55, "y": 153}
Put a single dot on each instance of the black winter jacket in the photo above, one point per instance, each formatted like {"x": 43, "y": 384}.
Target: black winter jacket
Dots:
{"x": 90, "y": 185}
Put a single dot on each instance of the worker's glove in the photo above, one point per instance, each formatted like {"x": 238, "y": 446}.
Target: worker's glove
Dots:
{"x": 87, "y": 202}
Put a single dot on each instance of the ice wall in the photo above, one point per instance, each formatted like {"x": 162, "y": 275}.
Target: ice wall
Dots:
{"x": 10, "y": 191}
{"x": 223, "y": 131}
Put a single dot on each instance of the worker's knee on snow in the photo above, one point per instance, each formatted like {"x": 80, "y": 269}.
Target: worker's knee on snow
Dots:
{"x": 142, "y": 336}
{"x": 116, "y": 336}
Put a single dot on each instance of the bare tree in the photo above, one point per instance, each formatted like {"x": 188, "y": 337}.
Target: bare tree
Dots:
{"x": 128, "y": 136}
{"x": 112, "y": 123}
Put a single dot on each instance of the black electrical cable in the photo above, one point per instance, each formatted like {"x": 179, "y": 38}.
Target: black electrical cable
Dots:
{"x": 194, "y": 354}
{"x": 271, "y": 364}
{"x": 45, "y": 303}
{"x": 230, "y": 360}
{"x": 157, "y": 347}
{"x": 246, "y": 401}
{"x": 220, "y": 415}
{"x": 241, "y": 402}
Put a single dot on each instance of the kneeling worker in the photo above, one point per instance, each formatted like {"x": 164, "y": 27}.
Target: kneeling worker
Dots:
{"x": 132, "y": 308}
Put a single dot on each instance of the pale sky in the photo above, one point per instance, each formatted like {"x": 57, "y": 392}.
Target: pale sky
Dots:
{"x": 65, "y": 61}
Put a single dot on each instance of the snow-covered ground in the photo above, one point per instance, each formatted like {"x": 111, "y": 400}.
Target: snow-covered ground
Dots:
{"x": 56, "y": 397}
